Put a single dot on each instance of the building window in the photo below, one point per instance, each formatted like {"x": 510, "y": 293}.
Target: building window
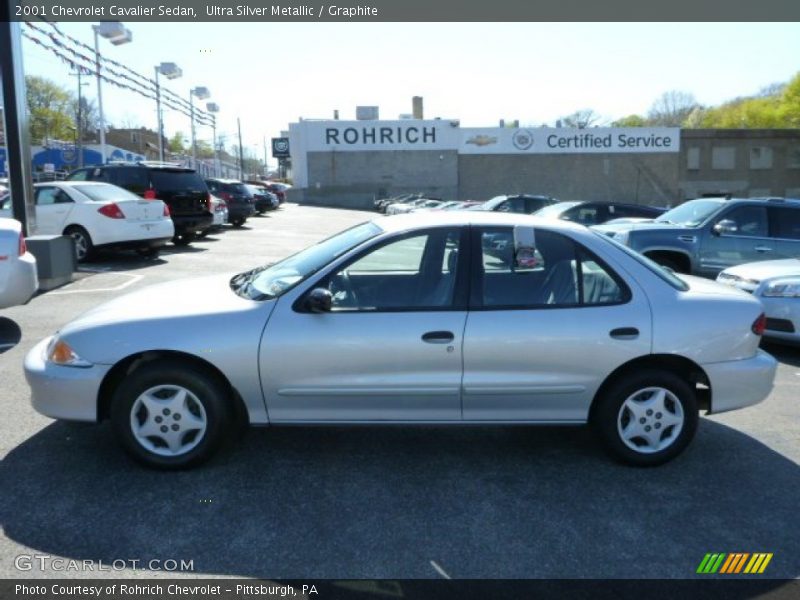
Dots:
{"x": 693, "y": 159}
{"x": 761, "y": 157}
{"x": 793, "y": 157}
{"x": 134, "y": 137}
{"x": 723, "y": 157}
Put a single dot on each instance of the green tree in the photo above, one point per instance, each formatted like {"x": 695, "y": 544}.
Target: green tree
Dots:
{"x": 581, "y": 119}
{"x": 175, "y": 143}
{"x": 630, "y": 121}
{"x": 50, "y": 108}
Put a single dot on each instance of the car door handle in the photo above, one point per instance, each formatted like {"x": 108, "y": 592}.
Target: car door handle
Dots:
{"x": 763, "y": 249}
{"x": 624, "y": 333}
{"x": 438, "y": 337}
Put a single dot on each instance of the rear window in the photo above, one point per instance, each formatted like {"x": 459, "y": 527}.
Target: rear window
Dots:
{"x": 176, "y": 180}
{"x": 105, "y": 193}
{"x": 236, "y": 188}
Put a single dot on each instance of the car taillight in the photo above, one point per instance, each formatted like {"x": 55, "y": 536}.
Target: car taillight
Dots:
{"x": 22, "y": 247}
{"x": 221, "y": 206}
{"x": 225, "y": 196}
{"x": 112, "y": 211}
{"x": 760, "y": 324}
{"x": 150, "y": 194}
{"x": 166, "y": 210}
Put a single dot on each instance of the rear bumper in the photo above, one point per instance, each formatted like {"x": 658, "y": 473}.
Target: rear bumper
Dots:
{"x": 240, "y": 210}
{"x": 192, "y": 223}
{"x": 21, "y": 283}
{"x": 783, "y": 319}
{"x": 739, "y": 383}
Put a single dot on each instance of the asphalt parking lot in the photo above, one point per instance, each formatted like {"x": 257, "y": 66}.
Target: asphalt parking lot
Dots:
{"x": 396, "y": 502}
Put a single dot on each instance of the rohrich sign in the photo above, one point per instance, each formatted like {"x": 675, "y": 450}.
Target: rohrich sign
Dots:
{"x": 412, "y": 134}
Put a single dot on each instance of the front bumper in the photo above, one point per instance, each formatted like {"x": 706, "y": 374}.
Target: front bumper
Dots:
{"x": 739, "y": 383}
{"x": 58, "y": 392}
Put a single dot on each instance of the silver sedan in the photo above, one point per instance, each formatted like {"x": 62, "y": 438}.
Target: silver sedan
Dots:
{"x": 442, "y": 317}
{"x": 777, "y": 284}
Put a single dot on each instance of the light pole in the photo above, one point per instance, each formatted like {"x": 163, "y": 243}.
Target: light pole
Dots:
{"x": 213, "y": 108}
{"x": 170, "y": 71}
{"x": 116, "y": 33}
{"x": 201, "y": 93}
{"x": 79, "y": 119}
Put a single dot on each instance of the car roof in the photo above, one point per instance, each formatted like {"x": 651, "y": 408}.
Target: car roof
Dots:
{"x": 423, "y": 220}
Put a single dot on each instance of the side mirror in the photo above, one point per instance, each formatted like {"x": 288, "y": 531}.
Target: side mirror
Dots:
{"x": 319, "y": 300}
{"x": 726, "y": 226}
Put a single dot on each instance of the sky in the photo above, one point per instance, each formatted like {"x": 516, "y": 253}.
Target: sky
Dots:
{"x": 271, "y": 74}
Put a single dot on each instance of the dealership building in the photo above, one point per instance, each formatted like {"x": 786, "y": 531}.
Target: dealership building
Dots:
{"x": 350, "y": 163}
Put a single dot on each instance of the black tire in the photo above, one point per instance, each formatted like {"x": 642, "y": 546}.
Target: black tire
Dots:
{"x": 204, "y": 389}
{"x": 184, "y": 239}
{"x": 84, "y": 248}
{"x": 202, "y": 234}
{"x": 608, "y": 418}
{"x": 238, "y": 221}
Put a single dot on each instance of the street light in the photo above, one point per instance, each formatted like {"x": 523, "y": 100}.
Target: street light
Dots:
{"x": 213, "y": 108}
{"x": 116, "y": 33}
{"x": 170, "y": 71}
{"x": 201, "y": 93}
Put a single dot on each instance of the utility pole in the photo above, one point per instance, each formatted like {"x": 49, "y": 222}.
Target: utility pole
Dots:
{"x": 241, "y": 150}
{"x": 264, "y": 141}
{"x": 79, "y": 123}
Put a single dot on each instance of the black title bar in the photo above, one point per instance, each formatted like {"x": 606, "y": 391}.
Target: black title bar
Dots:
{"x": 406, "y": 10}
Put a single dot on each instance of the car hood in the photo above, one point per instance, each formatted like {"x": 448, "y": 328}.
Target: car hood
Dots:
{"x": 176, "y": 300}
{"x": 788, "y": 267}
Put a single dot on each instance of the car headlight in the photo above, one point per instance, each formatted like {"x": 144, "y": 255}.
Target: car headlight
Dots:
{"x": 59, "y": 352}
{"x": 782, "y": 288}
{"x": 622, "y": 237}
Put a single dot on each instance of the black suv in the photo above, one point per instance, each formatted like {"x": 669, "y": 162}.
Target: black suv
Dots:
{"x": 180, "y": 188}
{"x": 240, "y": 200}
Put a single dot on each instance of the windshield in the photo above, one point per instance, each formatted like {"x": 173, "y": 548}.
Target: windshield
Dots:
{"x": 554, "y": 210}
{"x": 273, "y": 280}
{"x": 665, "y": 274}
{"x": 106, "y": 193}
{"x": 690, "y": 214}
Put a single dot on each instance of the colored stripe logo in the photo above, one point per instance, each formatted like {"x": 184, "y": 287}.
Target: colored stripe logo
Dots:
{"x": 734, "y": 562}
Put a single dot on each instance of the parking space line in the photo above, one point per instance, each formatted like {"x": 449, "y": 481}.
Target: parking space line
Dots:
{"x": 133, "y": 279}
{"x": 440, "y": 570}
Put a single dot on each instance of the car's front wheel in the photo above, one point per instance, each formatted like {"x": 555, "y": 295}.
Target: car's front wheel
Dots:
{"x": 84, "y": 248}
{"x": 171, "y": 415}
{"x": 647, "y": 418}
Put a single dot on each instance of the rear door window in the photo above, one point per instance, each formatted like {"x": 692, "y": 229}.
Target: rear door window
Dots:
{"x": 785, "y": 222}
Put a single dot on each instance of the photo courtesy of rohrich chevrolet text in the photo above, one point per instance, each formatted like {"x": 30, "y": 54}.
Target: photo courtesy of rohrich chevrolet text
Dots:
{"x": 427, "y": 300}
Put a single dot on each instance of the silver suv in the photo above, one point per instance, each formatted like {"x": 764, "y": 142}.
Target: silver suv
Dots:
{"x": 707, "y": 235}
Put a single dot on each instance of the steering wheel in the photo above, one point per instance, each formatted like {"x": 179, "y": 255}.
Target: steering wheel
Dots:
{"x": 343, "y": 290}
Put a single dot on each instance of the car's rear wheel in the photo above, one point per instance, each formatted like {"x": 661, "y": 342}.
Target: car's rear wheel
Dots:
{"x": 647, "y": 418}
{"x": 171, "y": 415}
{"x": 84, "y": 248}
{"x": 238, "y": 221}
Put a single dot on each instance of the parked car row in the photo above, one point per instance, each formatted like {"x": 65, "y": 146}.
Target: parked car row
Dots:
{"x": 142, "y": 206}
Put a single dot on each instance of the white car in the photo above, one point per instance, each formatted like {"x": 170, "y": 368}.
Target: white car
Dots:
{"x": 400, "y": 208}
{"x": 97, "y": 214}
{"x": 18, "y": 279}
{"x": 776, "y": 283}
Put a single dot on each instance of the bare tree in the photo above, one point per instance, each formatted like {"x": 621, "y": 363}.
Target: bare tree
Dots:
{"x": 581, "y": 119}
{"x": 671, "y": 108}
